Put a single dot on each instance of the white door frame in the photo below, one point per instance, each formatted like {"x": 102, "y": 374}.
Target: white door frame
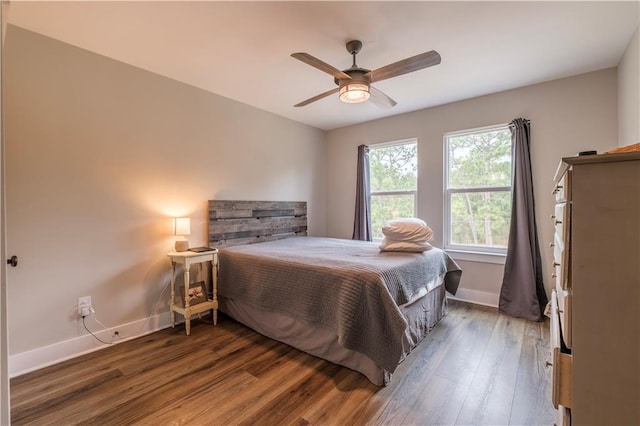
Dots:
{"x": 5, "y": 410}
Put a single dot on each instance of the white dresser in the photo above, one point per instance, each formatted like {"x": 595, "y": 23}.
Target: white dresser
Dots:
{"x": 595, "y": 323}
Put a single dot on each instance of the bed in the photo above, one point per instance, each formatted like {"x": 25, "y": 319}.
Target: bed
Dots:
{"x": 341, "y": 300}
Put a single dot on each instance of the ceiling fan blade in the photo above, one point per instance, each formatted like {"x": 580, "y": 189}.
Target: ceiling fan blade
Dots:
{"x": 381, "y": 99}
{"x": 318, "y": 97}
{"x": 322, "y": 66}
{"x": 405, "y": 66}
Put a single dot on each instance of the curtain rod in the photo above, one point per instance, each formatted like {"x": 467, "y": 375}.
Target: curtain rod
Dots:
{"x": 525, "y": 120}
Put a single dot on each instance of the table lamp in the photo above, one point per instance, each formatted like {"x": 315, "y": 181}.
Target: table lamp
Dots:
{"x": 182, "y": 227}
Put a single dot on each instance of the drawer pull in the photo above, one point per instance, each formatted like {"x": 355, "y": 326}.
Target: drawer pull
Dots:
{"x": 555, "y": 264}
{"x": 558, "y": 222}
{"x": 553, "y": 216}
{"x": 548, "y": 364}
{"x": 551, "y": 245}
{"x": 554, "y": 276}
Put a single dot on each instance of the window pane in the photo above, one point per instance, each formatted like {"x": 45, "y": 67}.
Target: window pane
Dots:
{"x": 480, "y": 218}
{"x": 394, "y": 167}
{"x": 387, "y": 207}
{"x": 480, "y": 159}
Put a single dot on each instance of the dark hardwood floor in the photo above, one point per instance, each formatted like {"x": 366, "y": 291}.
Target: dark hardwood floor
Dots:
{"x": 476, "y": 367}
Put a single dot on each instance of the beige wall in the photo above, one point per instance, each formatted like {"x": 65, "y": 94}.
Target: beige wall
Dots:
{"x": 629, "y": 93}
{"x": 567, "y": 116}
{"x": 100, "y": 155}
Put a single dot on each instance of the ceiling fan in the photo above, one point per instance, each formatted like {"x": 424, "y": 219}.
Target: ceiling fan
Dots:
{"x": 354, "y": 84}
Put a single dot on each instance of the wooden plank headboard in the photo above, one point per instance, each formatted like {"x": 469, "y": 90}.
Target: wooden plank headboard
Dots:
{"x": 246, "y": 222}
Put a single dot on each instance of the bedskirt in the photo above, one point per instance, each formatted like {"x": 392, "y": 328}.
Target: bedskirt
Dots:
{"x": 421, "y": 316}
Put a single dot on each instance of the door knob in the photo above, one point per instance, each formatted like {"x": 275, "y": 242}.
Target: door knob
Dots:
{"x": 13, "y": 261}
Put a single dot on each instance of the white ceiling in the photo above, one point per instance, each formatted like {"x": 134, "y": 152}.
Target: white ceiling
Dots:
{"x": 241, "y": 50}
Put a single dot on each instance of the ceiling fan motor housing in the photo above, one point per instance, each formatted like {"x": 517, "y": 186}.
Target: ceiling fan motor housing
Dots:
{"x": 356, "y": 74}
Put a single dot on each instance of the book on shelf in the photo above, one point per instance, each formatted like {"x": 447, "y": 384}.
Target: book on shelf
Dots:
{"x": 201, "y": 249}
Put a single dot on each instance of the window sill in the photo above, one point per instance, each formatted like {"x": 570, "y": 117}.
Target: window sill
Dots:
{"x": 474, "y": 256}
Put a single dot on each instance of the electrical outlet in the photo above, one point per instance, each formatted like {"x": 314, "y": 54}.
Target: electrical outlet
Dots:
{"x": 84, "y": 306}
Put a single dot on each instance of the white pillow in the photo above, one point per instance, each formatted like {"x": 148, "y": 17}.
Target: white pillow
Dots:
{"x": 408, "y": 229}
{"x": 392, "y": 245}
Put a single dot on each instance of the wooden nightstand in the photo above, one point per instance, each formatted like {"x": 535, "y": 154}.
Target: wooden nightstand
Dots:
{"x": 186, "y": 259}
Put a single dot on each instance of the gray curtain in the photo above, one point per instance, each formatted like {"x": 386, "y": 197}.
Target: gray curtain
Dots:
{"x": 362, "y": 218}
{"x": 522, "y": 294}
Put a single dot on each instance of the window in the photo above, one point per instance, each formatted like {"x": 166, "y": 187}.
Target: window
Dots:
{"x": 478, "y": 166}
{"x": 394, "y": 182}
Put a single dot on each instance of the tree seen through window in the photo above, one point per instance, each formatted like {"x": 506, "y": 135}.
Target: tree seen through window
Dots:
{"x": 478, "y": 190}
{"x": 394, "y": 182}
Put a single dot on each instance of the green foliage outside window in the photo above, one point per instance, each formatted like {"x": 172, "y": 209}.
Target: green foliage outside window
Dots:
{"x": 394, "y": 181}
{"x": 480, "y": 218}
{"x": 480, "y": 161}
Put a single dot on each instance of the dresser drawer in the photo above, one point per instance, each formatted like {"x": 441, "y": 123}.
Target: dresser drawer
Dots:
{"x": 564, "y": 299}
{"x": 555, "y": 322}
{"x": 558, "y": 262}
{"x": 562, "y": 190}
{"x": 561, "y": 392}
{"x": 560, "y": 220}
{"x": 561, "y": 242}
{"x": 563, "y": 417}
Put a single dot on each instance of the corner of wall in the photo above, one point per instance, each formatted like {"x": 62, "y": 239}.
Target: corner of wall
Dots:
{"x": 629, "y": 93}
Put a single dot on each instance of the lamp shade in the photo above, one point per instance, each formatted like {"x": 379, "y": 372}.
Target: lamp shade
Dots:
{"x": 182, "y": 226}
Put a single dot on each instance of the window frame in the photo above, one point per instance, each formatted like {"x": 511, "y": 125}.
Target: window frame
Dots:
{"x": 465, "y": 251}
{"x": 403, "y": 191}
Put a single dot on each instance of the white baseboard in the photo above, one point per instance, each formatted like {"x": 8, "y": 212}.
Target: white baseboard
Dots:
{"x": 477, "y": 297}
{"x": 35, "y": 359}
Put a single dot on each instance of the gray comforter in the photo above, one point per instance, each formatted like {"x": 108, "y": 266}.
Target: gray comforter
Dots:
{"x": 347, "y": 286}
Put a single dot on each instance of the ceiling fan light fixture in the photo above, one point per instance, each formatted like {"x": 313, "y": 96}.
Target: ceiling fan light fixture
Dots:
{"x": 353, "y": 93}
